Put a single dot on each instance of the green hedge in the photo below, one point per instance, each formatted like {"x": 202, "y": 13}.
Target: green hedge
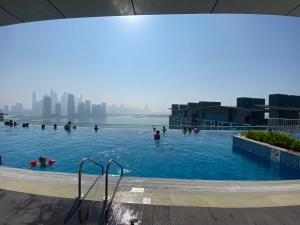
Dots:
{"x": 273, "y": 138}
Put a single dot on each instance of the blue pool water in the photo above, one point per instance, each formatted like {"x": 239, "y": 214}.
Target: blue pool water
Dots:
{"x": 208, "y": 155}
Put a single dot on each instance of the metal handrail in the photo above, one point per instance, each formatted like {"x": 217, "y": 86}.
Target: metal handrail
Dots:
{"x": 106, "y": 176}
{"x": 80, "y": 195}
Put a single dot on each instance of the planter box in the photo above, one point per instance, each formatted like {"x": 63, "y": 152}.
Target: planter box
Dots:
{"x": 268, "y": 152}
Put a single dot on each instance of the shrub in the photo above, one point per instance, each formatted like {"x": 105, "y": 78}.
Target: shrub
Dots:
{"x": 296, "y": 145}
{"x": 273, "y": 138}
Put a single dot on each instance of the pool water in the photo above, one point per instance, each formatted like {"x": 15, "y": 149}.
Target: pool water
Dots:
{"x": 207, "y": 155}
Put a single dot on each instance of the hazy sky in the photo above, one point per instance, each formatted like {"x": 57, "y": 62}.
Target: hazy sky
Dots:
{"x": 154, "y": 60}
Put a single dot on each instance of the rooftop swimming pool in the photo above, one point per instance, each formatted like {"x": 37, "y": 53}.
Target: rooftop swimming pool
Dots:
{"x": 207, "y": 155}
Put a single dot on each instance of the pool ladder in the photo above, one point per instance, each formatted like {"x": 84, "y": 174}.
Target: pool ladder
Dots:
{"x": 82, "y": 196}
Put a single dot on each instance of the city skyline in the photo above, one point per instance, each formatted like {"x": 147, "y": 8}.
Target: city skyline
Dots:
{"x": 152, "y": 60}
{"x": 52, "y": 105}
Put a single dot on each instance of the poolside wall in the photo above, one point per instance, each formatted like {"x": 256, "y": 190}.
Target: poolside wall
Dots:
{"x": 268, "y": 152}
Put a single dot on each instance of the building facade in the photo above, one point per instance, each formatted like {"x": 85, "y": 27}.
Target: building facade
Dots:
{"x": 249, "y": 111}
{"x": 284, "y": 106}
{"x": 57, "y": 110}
{"x": 46, "y": 107}
{"x": 71, "y": 105}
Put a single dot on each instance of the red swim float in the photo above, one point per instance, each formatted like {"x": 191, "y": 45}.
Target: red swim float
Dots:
{"x": 33, "y": 163}
{"x": 51, "y": 162}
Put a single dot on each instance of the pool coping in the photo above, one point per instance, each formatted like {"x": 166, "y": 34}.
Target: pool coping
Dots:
{"x": 203, "y": 193}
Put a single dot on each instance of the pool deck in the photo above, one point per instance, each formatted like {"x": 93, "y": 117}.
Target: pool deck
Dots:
{"x": 20, "y": 208}
{"x": 168, "y": 192}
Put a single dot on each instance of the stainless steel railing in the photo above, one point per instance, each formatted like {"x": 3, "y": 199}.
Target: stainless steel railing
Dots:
{"x": 80, "y": 195}
{"x": 106, "y": 178}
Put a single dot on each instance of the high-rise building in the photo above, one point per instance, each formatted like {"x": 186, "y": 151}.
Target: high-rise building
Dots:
{"x": 81, "y": 110}
{"x": 54, "y": 100}
{"x": 39, "y": 107}
{"x": 87, "y": 108}
{"x": 17, "y": 109}
{"x": 46, "y": 106}
{"x": 71, "y": 105}
{"x": 33, "y": 103}
{"x": 80, "y": 99}
{"x": 98, "y": 110}
{"x": 103, "y": 109}
{"x": 64, "y": 104}
{"x": 57, "y": 109}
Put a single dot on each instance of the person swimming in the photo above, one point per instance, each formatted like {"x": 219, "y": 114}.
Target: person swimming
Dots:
{"x": 190, "y": 130}
{"x": 96, "y": 128}
{"x": 196, "y": 130}
{"x": 42, "y": 161}
{"x": 184, "y": 130}
{"x": 157, "y": 136}
{"x": 164, "y": 129}
{"x": 25, "y": 125}
{"x": 55, "y": 126}
{"x": 68, "y": 126}
{"x": 43, "y": 126}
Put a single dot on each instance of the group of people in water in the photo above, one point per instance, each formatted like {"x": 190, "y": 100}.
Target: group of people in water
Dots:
{"x": 156, "y": 134}
{"x": 14, "y": 124}
{"x": 10, "y": 123}
{"x": 190, "y": 129}
{"x": 67, "y": 127}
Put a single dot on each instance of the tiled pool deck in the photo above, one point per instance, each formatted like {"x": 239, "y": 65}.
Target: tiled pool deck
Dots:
{"x": 197, "y": 193}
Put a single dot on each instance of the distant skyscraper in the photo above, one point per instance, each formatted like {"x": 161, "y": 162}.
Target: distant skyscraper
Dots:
{"x": 71, "y": 105}
{"x": 87, "y": 108}
{"x": 64, "y": 104}
{"x": 39, "y": 107}
{"x": 33, "y": 103}
{"x": 57, "y": 109}
{"x": 81, "y": 110}
{"x": 54, "y": 100}
{"x": 98, "y": 110}
{"x": 46, "y": 106}
{"x": 103, "y": 109}
{"x": 17, "y": 109}
{"x": 80, "y": 99}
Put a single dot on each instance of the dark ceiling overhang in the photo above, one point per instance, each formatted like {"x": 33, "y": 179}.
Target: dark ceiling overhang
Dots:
{"x": 20, "y": 11}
